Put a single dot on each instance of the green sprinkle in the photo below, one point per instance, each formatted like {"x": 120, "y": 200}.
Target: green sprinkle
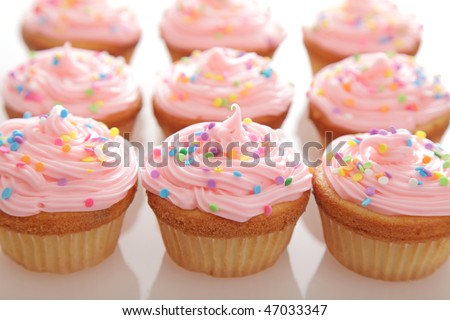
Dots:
{"x": 347, "y": 158}
{"x": 209, "y": 155}
{"x": 443, "y": 181}
{"x": 218, "y": 35}
{"x": 93, "y": 108}
{"x": 181, "y": 157}
{"x": 330, "y": 156}
{"x": 32, "y": 54}
{"x": 391, "y": 53}
{"x": 446, "y": 157}
{"x": 357, "y": 57}
{"x": 89, "y": 92}
{"x": 367, "y": 165}
{"x": 224, "y": 102}
{"x": 437, "y": 154}
{"x": 213, "y": 207}
{"x": 183, "y": 151}
{"x": 288, "y": 181}
{"x": 236, "y": 83}
{"x": 185, "y": 60}
{"x": 446, "y": 164}
{"x": 402, "y": 98}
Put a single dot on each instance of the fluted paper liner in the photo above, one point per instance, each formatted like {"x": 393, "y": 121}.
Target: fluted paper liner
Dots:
{"x": 393, "y": 261}
{"x": 62, "y": 253}
{"x": 233, "y": 257}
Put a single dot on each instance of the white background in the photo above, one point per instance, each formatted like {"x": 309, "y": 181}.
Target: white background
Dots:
{"x": 140, "y": 268}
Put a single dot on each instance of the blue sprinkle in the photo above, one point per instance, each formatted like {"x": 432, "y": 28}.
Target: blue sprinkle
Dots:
{"x": 409, "y": 143}
{"x": 1, "y": 143}
{"x": 27, "y": 115}
{"x": 237, "y": 173}
{"x": 366, "y": 202}
{"x": 423, "y": 173}
{"x": 419, "y": 183}
{"x": 438, "y": 96}
{"x": 64, "y": 113}
{"x": 189, "y": 161}
{"x": 6, "y": 194}
{"x": 16, "y": 133}
{"x": 102, "y": 76}
{"x": 257, "y": 189}
{"x": 267, "y": 72}
{"x": 10, "y": 139}
{"x": 14, "y": 146}
{"x": 419, "y": 169}
{"x": 193, "y": 78}
{"x": 192, "y": 149}
{"x": 55, "y": 61}
{"x": 19, "y": 88}
{"x": 385, "y": 39}
{"x": 88, "y": 125}
{"x": 172, "y": 152}
{"x": 164, "y": 193}
{"x": 198, "y": 133}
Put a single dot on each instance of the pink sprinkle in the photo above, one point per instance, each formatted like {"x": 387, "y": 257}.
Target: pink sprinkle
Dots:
{"x": 205, "y": 136}
{"x": 253, "y": 137}
{"x": 89, "y": 202}
{"x": 20, "y": 164}
{"x": 268, "y": 210}
{"x": 157, "y": 152}
{"x": 87, "y": 137}
{"x": 59, "y": 142}
{"x": 154, "y": 174}
{"x": 4, "y": 149}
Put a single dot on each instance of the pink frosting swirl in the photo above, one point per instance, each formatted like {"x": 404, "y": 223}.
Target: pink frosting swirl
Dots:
{"x": 101, "y": 20}
{"x": 203, "y": 24}
{"x": 91, "y": 84}
{"x": 204, "y": 85}
{"x": 365, "y": 26}
{"x": 378, "y": 90}
{"x": 56, "y": 163}
{"x": 392, "y": 173}
{"x": 201, "y": 174}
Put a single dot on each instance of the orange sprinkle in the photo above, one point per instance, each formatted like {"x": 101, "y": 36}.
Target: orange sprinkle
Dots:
{"x": 26, "y": 159}
{"x": 426, "y": 159}
{"x": 349, "y": 102}
{"x": 393, "y": 86}
{"x": 347, "y": 86}
{"x": 384, "y": 108}
{"x": 39, "y": 167}
{"x": 66, "y": 148}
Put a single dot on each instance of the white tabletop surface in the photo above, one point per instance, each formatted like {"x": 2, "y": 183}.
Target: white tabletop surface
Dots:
{"x": 140, "y": 268}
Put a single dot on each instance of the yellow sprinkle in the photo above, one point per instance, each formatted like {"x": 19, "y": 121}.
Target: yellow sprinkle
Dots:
{"x": 382, "y": 148}
{"x": 217, "y": 102}
{"x": 89, "y": 170}
{"x": 99, "y": 103}
{"x": 357, "y": 177}
{"x": 247, "y": 120}
{"x": 66, "y": 148}
{"x": 219, "y": 77}
{"x": 421, "y": 134}
{"x": 218, "y": 169}
{"x": 437, "y": 174}
{"x": 26, "y": 159}
{"x": 311, "y": 170}
{"x": 245, "y": 158}
{"x": 232, "y": 97}
{"x": 196, "y": 53}
{"x": 320, "y": 92}
{"x": 341, "y": 172}
{"x": 88, "y": 159}
{"x": 65, "y": 138}
{"x": 73, "y": 135}
{"x": 248, "y": 85}
{"x": 351, "y": 143}
{"x": 389, "y": 73}
{"x": 114, "y": 132}
{"x": 209, "y": 75}
{"x": 398, "y": 43}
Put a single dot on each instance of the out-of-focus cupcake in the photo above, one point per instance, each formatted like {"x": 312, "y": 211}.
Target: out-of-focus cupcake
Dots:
{"x": 101, "y": 25}
{"x": 202, "y": 88}
{"x": 227, "y": 196}
{"x": 89, "y": 83}
{"x": 384, "y": 204}
{"x": 202, "y": 24}
{"x": 377, "y": 90}
{"x": 360, "y": 26}
{"x": 65, "y": 185}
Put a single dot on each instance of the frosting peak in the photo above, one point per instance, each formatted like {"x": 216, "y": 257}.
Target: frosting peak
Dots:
{"x": 220, "y": 172}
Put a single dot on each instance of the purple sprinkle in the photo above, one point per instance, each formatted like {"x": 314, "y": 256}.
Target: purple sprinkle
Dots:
{"x": 204, "y": 136}
{"x": 213, "y": 150}
{"x": 370, "y": 191}
{"x": 255, "y": 155}
{"x": 211, "y": 183}
{"x": 206, "y": 169}
{"x": 429, "y": 146}
{"x": 18, "y": 139}
{"x": 388, "y": 175}
{"x": 155, "y": 174}
{"x": 427, "y": 172}
{"x": 211, "y": 125}
{"x": 393, "y": 130}
{"x": 373, "y": 131}
{"x": 382, "y": 132}
{"x": 62, "y": 182}
{"x": 279, "y": 180}
{"x": 336, "y": 111}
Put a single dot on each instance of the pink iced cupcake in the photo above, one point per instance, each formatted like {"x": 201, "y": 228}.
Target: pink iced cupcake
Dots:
{"x": 202, "y": 24}
{"x": 360, "y": 26}
{"x": 101, "y": 25}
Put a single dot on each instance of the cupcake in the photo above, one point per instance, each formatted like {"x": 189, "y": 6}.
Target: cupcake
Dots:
{"x": 383, "y": 200}
{"x": 377, "y": 90}
{"x": 360, "y": 27}
{"x": 64, "y": 191}
{"x": 90, "y": 83}
{"x": 202, "y": 24}
{"x": 101, "y": 25}
{"x": 227, "y": 195}
{"x": 202, "y": 87}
